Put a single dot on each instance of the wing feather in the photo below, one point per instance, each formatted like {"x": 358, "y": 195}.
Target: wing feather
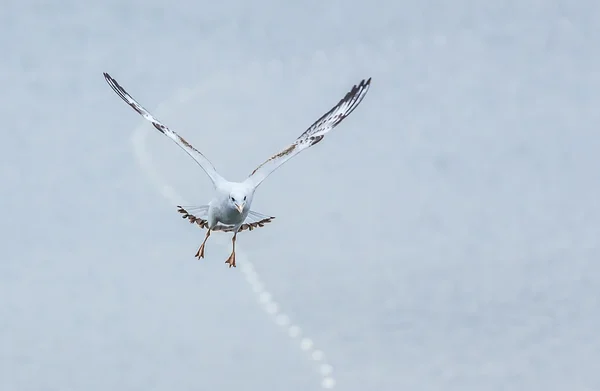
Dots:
{"x": 314, "y": 133}
{"x": 202, "y": 161}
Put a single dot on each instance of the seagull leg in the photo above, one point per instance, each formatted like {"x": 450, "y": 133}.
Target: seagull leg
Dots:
{"x": 231, "y": 259}
{"x": 200, "y": 253}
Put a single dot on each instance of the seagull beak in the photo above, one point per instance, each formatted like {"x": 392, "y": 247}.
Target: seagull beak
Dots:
{"x": 239, "y": 207}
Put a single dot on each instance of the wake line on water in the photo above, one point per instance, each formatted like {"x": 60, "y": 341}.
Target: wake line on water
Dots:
{"x": 265, "y": 299}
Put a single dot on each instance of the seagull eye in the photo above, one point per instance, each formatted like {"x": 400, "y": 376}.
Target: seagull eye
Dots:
{"x": 244, "y": 198}
{"x": 232, "y": 199}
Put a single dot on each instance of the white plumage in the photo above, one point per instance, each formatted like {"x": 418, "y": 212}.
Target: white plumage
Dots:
{"x": 230, "y": 208}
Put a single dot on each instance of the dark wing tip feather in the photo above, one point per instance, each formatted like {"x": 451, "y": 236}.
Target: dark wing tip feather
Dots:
{"x": 354, "y": 96}
{"x": 357, "y": 94}
{"x": 115, "y": 86}
{"x": 119, "y": 90}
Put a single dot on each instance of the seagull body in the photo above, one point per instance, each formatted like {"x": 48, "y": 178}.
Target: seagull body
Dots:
{"x": 230, "y": 208}
{"x": 230, "y": 204}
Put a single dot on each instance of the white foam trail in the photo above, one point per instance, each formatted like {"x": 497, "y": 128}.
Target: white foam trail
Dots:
{"x": 265, "y": 299}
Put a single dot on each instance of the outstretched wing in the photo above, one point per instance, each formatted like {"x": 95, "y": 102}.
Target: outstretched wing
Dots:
{"x": 314, "y": 133}
{"x": 202, "y": 161}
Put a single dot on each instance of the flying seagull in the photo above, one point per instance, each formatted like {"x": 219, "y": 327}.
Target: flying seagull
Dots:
{"x": 230, "y": 208}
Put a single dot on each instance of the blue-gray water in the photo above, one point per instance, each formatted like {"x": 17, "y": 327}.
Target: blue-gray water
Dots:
{"x": 444, "y": 237}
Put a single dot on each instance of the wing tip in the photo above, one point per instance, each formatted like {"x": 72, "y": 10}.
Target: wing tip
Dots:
{"x": 112, "y": 82}
{"x": 108, "y": 77}
{"x": 364, "y": 84}
{"x": 356, "y": 95}
{"x": 358, "y": 89}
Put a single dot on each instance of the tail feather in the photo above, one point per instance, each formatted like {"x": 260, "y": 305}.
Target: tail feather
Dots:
{"x": 199, "y": 215}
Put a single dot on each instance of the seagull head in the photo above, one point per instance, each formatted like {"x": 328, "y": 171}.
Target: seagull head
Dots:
{"x": 238, "y": 200}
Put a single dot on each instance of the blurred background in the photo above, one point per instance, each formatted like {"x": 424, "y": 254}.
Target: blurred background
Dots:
{"x": 442, "y": 238}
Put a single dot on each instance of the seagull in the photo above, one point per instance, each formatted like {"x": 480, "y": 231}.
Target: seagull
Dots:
{"x": 230, "y": 207}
